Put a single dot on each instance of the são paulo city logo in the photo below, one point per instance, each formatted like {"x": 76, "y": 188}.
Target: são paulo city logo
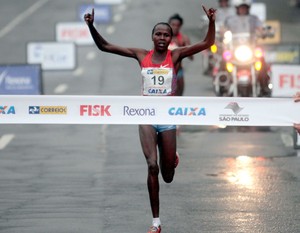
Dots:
{"x": 7, "y": 110}
{"x": 236, "y": 115}
{"x": 187, "y": 111}
{"x": 48, "y": 110}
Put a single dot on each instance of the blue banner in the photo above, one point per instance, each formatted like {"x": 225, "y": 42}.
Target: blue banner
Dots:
{"x": 20, "y": 80}
{"x": 103, "y": 13}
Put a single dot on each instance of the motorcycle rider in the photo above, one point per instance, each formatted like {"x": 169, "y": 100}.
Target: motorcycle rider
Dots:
{"x": 244, "y": 22}
{"x": 224, "y": 10}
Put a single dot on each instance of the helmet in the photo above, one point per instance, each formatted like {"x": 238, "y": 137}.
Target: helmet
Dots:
{"x": 237, "y": 3}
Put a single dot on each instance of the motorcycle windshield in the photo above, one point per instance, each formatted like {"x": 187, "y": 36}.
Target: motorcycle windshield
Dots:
{"x": 242, "y": 38}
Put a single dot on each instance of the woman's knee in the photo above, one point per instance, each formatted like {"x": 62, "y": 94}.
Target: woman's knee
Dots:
{"x": 153, "y": 168}
{"x": 168, "y": 176}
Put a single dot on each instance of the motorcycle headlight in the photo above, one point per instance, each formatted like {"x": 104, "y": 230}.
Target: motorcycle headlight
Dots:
{"x": 229, "y": 67}
{"x": 214, "y": 48}
{"x": 243, "y": 53}
{"x": 227, "y": 55}
{"x": 258, "y": 53}
{"x": 227, "y": 37}
{"x": 258, "y": 65}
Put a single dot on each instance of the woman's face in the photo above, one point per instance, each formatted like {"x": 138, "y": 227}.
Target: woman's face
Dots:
{"x": 176, "y": 25}
{"x": 161, "y": 37}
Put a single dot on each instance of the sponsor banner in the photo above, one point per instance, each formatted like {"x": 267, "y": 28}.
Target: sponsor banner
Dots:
{"x": 103, "y": 13}
{"x": 76, "y": 32}
{"x": 285, "y": 80}
{"x": 52, "y": 55}
{"x": 282, "y": 54}
{"x": 148, "y": 110}
{"x": 108, "y": 1}
{"x": 20, "y": 80}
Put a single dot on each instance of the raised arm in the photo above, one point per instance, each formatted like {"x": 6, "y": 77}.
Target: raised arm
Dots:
{"x": 105, "y": 46}
{"x": 186, "y": 51}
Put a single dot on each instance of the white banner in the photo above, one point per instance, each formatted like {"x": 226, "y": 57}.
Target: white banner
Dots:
{"x": 52, "y": 55}
{"x": 259, "y": 9}
{"x": 285, "y": 80}
{"x": 76, "y": 32}
{"x": 108, "y": 1}
{"x": 148, "y": 110}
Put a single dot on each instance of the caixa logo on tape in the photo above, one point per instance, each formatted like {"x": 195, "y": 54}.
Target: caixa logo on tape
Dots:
{"x": 95, "y": 110}
{"x": 185, "y": 111}
{"x": 7, "y": 110}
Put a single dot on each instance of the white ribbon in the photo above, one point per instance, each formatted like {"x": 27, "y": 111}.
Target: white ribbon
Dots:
{"x": 54, "y": 109}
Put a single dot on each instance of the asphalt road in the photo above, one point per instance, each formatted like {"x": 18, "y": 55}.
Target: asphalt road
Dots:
{"x": 80, "y": 178}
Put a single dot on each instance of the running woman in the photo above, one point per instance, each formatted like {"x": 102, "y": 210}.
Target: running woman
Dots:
{"x": 178, "y": 39}
{"x": 158, "y": 79}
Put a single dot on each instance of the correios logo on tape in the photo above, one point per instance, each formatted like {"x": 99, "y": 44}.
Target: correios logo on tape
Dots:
{"x": 49, "y": 110}
{"x": 95, "y": 110}
{"x": 187, "y": 111}
{"x": 7, "y": 110}
{"x": 236, "y": 109}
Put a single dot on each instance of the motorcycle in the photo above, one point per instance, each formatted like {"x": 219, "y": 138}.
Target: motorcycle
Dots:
{"x": 242, "y": 70}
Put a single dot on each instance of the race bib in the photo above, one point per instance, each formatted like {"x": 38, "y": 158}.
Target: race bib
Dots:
{"x": 157, "y": 81}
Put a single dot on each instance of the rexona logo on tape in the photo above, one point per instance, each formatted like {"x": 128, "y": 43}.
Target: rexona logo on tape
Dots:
{"x": 7, "y": 110}
{"x": 129, "y": 111}
{"x": 95, "y": 110}
{"x": 48, "y": 110}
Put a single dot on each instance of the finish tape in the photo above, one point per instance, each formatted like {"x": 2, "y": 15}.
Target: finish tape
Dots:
{"x": 129, "y": 110}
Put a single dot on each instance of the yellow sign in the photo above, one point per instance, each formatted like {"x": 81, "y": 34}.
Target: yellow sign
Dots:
{"x": 57, "y": 110}
{"x": 275, "y": 29}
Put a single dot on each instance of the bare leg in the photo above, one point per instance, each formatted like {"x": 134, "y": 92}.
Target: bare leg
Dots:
{"x": 167, "y": 154}
{"x": 148, "y": 138}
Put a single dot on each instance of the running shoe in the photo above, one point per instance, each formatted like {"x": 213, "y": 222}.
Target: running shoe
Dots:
{"x": 176, "y": 159}
{"x": 154, "y": 229}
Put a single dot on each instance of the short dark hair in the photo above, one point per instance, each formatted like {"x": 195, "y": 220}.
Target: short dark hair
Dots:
{"x": 176, "y": 17}
{"x": 162, "y": 23}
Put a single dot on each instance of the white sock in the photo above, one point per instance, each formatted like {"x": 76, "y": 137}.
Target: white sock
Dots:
{"x": 156, "y": 222}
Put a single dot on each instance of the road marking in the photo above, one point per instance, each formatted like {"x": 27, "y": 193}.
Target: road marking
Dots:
{"x": 117, "y": 18}
{"x": 5, "y": 140}
{"x": 91, "y": 56}
{"x": 78, "y": 71}
{"x": 110, "y": 30}
{"x": 20, "y": 18}
{"x": 61, "y": 88}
